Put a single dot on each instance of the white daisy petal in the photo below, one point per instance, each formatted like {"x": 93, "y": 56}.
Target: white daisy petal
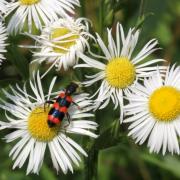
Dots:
{"x": 3, "y": 6}
{"x": 3, "y": 38}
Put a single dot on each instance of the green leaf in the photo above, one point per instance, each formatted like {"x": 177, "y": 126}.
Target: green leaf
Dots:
{"x": 47, "y": 174}
{"x": 142, "y": 19}
{"x": 6, "y": 82}
{"x": 170, "y": 163}
{"x": 108, "y": 138}
{"x": 19, "y": 61}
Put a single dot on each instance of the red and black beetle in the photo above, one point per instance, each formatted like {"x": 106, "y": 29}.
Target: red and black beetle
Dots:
{"x": 61, "y": 105}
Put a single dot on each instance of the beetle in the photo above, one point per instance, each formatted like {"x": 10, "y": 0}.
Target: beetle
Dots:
{"x": 60, "y": 106}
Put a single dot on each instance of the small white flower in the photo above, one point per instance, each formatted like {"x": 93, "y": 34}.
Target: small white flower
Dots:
{"x": 28, "y": 120}
{"x": 3, "y": 38}
{"x": 154, "y": 111}
{"x": 61, "y": 41}
{"x": 37, "y": 13}
{"x": 121, "y": 69}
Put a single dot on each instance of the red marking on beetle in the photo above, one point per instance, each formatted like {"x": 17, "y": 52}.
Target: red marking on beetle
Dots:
{"x": 53, "y": 119}
{"x": 63, "y": 109}
{"x": 56, "y": 105}
{"x": 69, "y": 98}
{"x": 62, "y": 95}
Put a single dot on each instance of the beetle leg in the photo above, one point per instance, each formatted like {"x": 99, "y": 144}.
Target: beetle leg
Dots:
{"x": 68, "y": 118}
{"x": 77, "y": 105}
{"x": 65, "y": 132}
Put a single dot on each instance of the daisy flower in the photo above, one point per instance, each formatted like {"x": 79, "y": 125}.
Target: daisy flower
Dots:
{"x": 154, "y": 111}
{"x": 3, "y": 37}
{"x": 37, "y": 13}
{"x": 61, "y": 41}
{"x": 120, "y": 69}
{"x": 27, "y": 117}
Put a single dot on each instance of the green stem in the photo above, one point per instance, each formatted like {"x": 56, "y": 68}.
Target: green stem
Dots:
{"x": 141, "y": 18}
{"x": 83, "y": 8}
{"x": 101, "y": 17}
{"x": 91, "y": 162}
{"x": 142, "y": 9}
{"x": 91, "y": 169}
{"x": 142, "y": 167}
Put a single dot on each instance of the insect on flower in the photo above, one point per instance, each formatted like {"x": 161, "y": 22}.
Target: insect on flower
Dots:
{"x": 61, "y": 105}
{"x": 32, "y": 134}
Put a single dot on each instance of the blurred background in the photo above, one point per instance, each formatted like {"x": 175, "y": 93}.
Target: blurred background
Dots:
{"x": 113, "y": 155}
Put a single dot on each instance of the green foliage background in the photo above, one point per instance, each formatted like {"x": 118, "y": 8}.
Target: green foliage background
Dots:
{"x": 113, "y": 155}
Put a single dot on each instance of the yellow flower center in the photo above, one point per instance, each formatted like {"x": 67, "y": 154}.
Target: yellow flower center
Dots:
{"x": 38, "y": 127}
{"x": 120, "y": 72}
{"x": 164, "y": 103}
{"x": 65, "y": 42}
{"x": 28, "y": 2}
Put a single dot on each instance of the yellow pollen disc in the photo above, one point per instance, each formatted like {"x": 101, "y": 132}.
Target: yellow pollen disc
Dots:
{"x": 28, "y": 2}
{"x": 120, "y": 72}
{"x": 38, "y": 127}
{"x": 71, "y": 40}
{"x": 164, "y": 103}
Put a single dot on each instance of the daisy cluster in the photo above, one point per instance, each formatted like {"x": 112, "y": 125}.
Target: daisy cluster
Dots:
{"x": 144, "y": 92}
